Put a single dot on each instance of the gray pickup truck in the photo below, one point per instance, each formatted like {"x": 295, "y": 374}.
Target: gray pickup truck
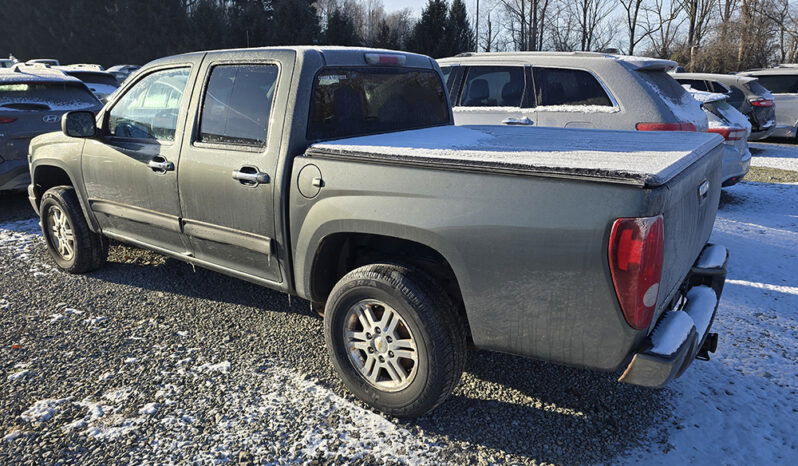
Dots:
{"x": 336, "y": 174}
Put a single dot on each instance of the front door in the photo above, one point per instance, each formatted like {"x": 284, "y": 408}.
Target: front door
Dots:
{"x": 227, "y": 169}
{"x": 130, "y": 170}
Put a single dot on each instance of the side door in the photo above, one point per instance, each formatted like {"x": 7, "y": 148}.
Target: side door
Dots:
{"x": 130, "y": 170}
{"x": 229, "y": 159}
{"x": 573, "y": 98}
{"x": 494, "y": 95}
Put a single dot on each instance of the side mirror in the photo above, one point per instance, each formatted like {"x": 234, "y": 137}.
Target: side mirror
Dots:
{"x": 79, "y": 124}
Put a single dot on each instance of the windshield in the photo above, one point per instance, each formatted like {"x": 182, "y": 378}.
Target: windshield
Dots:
{"x": 358, "y": 101}
{"x": 96, "y": 78}
{"x": 56, "y": 96}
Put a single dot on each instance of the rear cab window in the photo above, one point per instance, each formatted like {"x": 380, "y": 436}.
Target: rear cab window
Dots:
{"x": 46, "y": 96}
{"x": 237, "y": 105}
{"x": 779, "y": 83}
{"x": 493, "y": 86}
{"x": 356, "y": 101}
{"x": 561, "y": 87}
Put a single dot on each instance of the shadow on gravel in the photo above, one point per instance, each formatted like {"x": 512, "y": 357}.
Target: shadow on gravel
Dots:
{"x": 14, "y": 206}
{"x": 547, "y": 412}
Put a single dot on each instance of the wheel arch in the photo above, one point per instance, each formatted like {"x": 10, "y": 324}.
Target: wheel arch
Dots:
{"x": 48, "y": 175}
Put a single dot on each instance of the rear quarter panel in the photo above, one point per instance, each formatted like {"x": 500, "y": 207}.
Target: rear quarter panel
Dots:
{"x": 529, "y": 253}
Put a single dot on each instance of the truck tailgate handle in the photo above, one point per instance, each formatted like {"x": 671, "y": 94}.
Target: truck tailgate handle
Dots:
{"x": 518, "y": 121}
{"x": 250, "y": 176}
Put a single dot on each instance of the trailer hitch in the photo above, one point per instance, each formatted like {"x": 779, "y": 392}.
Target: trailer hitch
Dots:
{"x": 710, "y": 346}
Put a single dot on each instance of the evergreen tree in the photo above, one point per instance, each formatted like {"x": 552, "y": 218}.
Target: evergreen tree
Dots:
{"x": 295, "y": 23}
{"x": 461, "y": 36}
{"x": 430, "y": 34}
{"x": 340, "y": 30}
{"x": 386, "y": 37}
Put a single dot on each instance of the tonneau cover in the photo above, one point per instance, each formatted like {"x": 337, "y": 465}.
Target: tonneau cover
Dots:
{"x": 631, "y": 157}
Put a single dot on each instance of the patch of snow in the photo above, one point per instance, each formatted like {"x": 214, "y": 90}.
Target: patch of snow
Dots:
{"x": 701, "y": 302}
{"x": 95, "y": 320}
{"x": 131, "y": 360}
{"x": 42, "y": 410}
{"x": 12, "y": 436}
{"x": 120, "y": 394}
{"x": 56, "y": 317}
{"x": 19, "y": 375}
{"x": 712, "y": 257}
{"x": 222, "y": 367}
{"x": 149, "y": 409}
{"x": 588, "y": 109}
{"x": 671, "y": 331}
{"x": 69, "y": 311}
{"x": 784, "y": 157}
{"x": 493, "y": 110}
{"x": 684, "y": 109}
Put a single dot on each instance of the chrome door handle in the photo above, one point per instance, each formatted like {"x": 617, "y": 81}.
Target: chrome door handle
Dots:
{"x": 250, "y": 176}
{"x": 160, "y": 165}
{"x": 518, "y": 121}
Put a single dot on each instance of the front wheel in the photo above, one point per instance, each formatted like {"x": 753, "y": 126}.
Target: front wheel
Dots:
{"x": 394, "y": 338}
{"x": 73, "y": 246}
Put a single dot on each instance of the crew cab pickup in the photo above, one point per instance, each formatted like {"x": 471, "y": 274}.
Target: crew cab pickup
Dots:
{"x": 336, "y": 174}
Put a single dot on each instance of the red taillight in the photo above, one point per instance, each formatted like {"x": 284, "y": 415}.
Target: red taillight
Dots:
{"x": 385, "y": 59}
{"x": 729, "y": 134}
{"x": 684, "y": 126}
{"x": 7, "y": 120}
{"x": 636, "y": 251}
{"x": 762, "y": 103}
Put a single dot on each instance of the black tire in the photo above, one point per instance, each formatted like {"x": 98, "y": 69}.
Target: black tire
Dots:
{"x": 429, "y": 315}
{"x": 89, "y": 249}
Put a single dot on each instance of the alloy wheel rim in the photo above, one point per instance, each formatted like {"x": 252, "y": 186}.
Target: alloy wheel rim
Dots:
{"x": 61, "y": 234}
{"x": 380, "y": 345}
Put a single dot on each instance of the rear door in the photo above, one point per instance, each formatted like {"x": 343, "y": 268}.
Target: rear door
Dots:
{"x": 229, "y": 159}
{"x": 494, "y": 95}
{"x": 130, "y": 170}
{"x": 572, "y": 98}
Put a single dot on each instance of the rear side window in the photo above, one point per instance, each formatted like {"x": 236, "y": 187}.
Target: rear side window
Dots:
{"x": 493, "y": 86}
{"x": 237, "y": 104}
{"x": 780, "y": 83}
{"x": 46, "y": 96}
{"x": 736, "y": 96}
{"x": 757, "y": 88}
{"x": 150, "y": 108}
{"x": 354, "y": 101}
{"x": 697, "y": 84}
{"x": 557, "y": 86}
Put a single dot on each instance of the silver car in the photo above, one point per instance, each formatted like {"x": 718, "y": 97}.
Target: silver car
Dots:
{"x": 735, "y": 128}
{"x": 101, "y": 83}
{"x": 744, "y": 93}
{"x": 783, "y": 83}
{"x": 32, "y": 100}
{"x": 570, "y": 90}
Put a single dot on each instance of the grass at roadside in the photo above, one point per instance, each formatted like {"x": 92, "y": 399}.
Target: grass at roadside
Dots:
{"x": 771, "y": 175}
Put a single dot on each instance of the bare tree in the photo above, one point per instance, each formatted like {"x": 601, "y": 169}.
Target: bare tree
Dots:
{"x": 665, "y": 22}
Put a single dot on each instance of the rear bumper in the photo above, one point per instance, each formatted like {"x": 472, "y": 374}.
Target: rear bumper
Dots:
{"x": 763, "y": 133}
{"x": 680, "y": 335}
{"x": 784, "y": 132}
{"x": 14, "y": 175}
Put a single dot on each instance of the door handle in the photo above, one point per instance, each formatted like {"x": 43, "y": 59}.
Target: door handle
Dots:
{"x": 160, "y": 165}
{"x": 250, "y": 176}
{"x": 518, "y": 121}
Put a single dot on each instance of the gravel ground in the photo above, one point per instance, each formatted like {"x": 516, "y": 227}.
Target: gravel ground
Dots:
{"x": 148, "y": 360}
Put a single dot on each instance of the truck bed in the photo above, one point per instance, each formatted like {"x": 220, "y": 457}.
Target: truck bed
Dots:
{"x": 628, "y": 157}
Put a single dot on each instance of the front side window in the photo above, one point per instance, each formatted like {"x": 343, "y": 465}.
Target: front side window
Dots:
{"x": 355, "y": 101}
{"x": 780, "y": 83}
{"x": 493, "y": 86}
{"x": 559, "y": 86}
{"x": 237, "y": 104}
{"x": 149, "y": 109}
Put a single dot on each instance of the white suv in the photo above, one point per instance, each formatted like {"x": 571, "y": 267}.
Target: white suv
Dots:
{"x": 570, "y": 90}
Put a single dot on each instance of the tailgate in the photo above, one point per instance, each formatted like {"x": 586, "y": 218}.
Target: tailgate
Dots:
{"x": 691, "y": 203}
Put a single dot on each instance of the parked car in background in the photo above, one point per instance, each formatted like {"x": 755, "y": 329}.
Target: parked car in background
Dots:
{"x": 782, "y": 82}
{"x": 337, "y": 174}
{"x": 44, "y": 61}
{"x": 744, "y": 93}
{"x": 32, "y": 100}
{"x": 569, "y": 90}
{"x": 101, "y": 83}
{"x": 735, "y": 128}
{"x": 122, "y": 72}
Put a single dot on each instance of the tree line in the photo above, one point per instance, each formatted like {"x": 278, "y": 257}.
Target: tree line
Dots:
{"x": 136, "y": 31}
{"x": 703, "y": 35}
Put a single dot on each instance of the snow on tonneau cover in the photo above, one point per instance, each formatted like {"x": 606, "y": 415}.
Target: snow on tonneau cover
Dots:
{"x": 639, "y": 158}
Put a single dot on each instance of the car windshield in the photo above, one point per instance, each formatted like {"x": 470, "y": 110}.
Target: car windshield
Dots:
{"x": 55, "y": 96}
{"x": 358, "y": 101}
{"x": 96, "y": 78}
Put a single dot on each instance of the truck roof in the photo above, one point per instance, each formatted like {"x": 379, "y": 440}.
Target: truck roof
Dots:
{"x": 332, "y": 55}
{"x": 637, "y": 63}
{"x": 614, "y": 156}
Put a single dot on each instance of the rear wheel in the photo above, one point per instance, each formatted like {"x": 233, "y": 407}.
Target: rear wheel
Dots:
{"x": 73, "y": 246}
{"x": 394, "y": 338}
